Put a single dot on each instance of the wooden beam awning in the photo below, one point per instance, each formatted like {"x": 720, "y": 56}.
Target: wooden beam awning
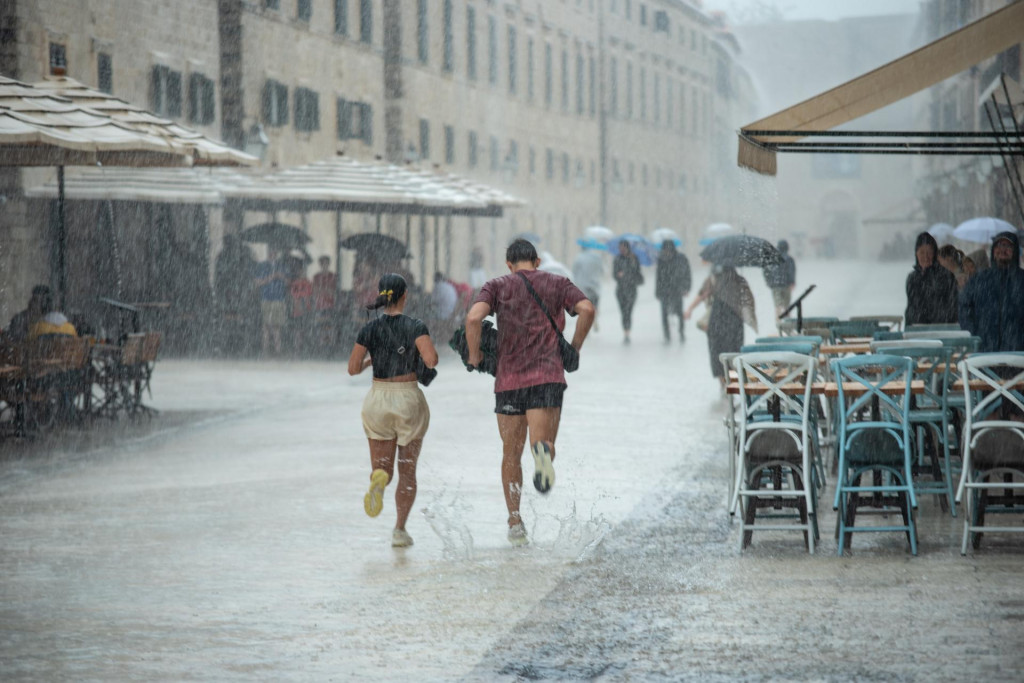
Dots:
{"x": 814, "y": 118}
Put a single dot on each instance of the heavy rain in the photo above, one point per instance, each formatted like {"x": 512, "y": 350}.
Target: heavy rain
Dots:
{"x": 266, "y": 264}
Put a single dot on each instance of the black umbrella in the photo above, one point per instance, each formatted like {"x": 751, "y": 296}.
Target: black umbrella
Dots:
{"x": 739, "y": 251}
{"x": 276, "y": 235}
{"x": 376, "y": 247}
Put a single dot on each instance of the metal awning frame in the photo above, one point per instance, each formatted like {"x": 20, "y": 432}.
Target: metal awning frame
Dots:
{"x": 887, "y": 142}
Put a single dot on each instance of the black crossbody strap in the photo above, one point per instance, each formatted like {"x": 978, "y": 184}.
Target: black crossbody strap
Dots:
{"x": 391, "y": 335}
{"x": 540, "y": 303}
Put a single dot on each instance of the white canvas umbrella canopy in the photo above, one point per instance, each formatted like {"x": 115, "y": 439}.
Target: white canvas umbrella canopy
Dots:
{"x": 40, "y": 126}
{"x": 160, "y": 185}
{"x": 981, "y": 230}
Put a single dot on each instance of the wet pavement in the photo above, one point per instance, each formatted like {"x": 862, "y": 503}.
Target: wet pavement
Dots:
{"x": 225, "y": 540}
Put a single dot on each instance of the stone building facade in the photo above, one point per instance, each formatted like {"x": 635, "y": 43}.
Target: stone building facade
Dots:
{"x": 953, "y": 189}
{"x": 592, "y": 111}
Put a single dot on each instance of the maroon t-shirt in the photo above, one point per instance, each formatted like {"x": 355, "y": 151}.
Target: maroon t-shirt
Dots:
{"x": 527, "y": 346}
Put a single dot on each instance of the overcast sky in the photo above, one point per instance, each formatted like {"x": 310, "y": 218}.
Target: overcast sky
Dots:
{"x": 815, "y": 9}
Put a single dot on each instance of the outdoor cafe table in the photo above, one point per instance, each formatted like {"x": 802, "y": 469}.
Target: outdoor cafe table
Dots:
{"x": 829, "y": 389}
{"x": 841, "y": 349}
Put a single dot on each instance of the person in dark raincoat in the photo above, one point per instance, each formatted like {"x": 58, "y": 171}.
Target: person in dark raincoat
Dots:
{"x": 992, "y": 302}
{"x": 931, "y": 289}
{"x": 628, "y": 276}
{"x": 781, "y": 278}
{"x": 671, "y": 284}
{"x": 732, "y": 304}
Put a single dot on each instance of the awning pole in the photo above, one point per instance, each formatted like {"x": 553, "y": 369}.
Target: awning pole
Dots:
{"x": 437, "y": 243}
{"x": 423, "y": 252}
{"x": 337, "y": 251}
{"x": 378, "y": 222}
{"x": 62, "y": 275}
{"x": 448, "y": 246}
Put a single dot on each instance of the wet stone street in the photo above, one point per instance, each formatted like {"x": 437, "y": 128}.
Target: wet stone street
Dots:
{"x": 225, "y": 540}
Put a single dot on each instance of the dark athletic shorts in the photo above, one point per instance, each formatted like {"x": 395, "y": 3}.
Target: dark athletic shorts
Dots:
{"x": 518, "y": 401}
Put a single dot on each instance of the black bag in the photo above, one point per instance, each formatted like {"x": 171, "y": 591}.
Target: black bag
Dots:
{"x": 570, "y": 356}
{"x": 488, "y": 346}
{"x": 424, "y": 375}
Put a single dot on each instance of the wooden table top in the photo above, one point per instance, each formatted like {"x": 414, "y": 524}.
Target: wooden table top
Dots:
{"x": 830, "y": 389}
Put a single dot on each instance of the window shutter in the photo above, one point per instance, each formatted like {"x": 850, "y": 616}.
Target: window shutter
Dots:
{"x": 156, "y": 91}
{"x": 195, "y": 86}
{"x": 281, "y": 97}
{"x": 173, "y": 93}
{"x": 265, "y": 101}
{"x": 209, "y": 102}
{"x": 344, "y": 119}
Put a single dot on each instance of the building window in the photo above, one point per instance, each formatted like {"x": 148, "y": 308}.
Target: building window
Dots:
{"x": 449, "y": 145}
{"x": 492, "y": 50}
{"x": 105, "y": 72}
{"x": 307, "y": 110}
{"x": 643, "y": 14}
{"x": 366, "y": 21}
{"x": 657, "y": 98}
{"x": 494, "y": 153}
{"x": 549, "y": 164}
{"x": 565, "y": 168}
{"x": 471, "y": 43}
{"x": 643, "y": 94}
{"x": 512, "y": 60}
{"x": 449, "y": 57}
{"x": 565, "y": 80}
{"x": 512, "y": 160}
{"x": 580, "y": 95}
{"x": 362, "y": 124}
{"x": 272, "y": 4}
{"x": 58, "y": 59}
{"x": 529, "y": 69}
{"x": 422, "y": 32}
{"x": 304, "y": 10}
{"x": 668, "y": 103}
{"x": 201, "y": 99}
{"x": 341, "y": 17}
{"x": 275, "y": 103}
{"x": 344, "y": 118}
{"x": 533, "y": 161}
{"x": 424, "y": 139}
{"x": 661, "y": 21}
{"x": 629, "y": 90}
{"x": 165, "y": 92}
{"x": 613, "y": 86}
{"x": 629, "y": 9}
{"x": 474, "y": 150}
{"x": 548, "y": 85}
{"x": 593, "y": 86}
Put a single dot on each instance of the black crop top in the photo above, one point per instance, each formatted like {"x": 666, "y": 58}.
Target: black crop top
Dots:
{"x": 384, "y": 348}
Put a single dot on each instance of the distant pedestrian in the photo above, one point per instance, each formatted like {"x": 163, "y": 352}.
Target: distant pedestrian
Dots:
{"x": 22, "y": 322}
{"x": 781, "y": 279}
{"x": 952, "y": 259}
{"x": 395, "y": 412}
{"x": 530, "y": 378}
{"x": 325, "y": 287}
{"x": 587, "y": 274}
{"x": 992, "y": 303}
{"x": 671, "y": 284}
{"x": 732, "y": 305}
{"x": 628, "y": 276}
{"x": 272, "y": 280}
{"x": 931, "y": 289}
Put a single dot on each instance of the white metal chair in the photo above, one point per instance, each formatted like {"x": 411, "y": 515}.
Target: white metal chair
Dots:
{"x": 774, "y": 466}
{"x": 993, "y": 455}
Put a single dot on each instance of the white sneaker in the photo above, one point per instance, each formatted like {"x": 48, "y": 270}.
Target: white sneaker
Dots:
{"x": 400, "y": 538}
{"x": 517, "y": 535}
{"x": 544, "y": 471}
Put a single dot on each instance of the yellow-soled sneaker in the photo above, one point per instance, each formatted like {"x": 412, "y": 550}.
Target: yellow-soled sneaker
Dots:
{"x": 373, "y": 501}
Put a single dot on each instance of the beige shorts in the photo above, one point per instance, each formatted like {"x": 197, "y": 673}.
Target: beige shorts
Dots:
{"x": 395, "y": 410}
{"x": 275, "y": 313}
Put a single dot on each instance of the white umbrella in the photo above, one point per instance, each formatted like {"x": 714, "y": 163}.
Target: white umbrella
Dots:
{"x": 598, "y": 233}
{"x": 714, "y": 231}
{"x": 981, "y": 230}
{"x": 942, "y": 232}
{"x": 662, "y": 234}
{"x": 549, "y": 265}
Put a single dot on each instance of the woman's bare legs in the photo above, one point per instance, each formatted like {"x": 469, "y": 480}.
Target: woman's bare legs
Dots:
{"x": 405, "y": 492}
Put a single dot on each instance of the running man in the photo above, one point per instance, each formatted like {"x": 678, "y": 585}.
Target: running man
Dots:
{"x": 530, "y": 379}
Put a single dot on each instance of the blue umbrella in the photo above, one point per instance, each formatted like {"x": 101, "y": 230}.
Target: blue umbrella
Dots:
{"x": 638, "y": 244}
{"x": 591, "y": 244}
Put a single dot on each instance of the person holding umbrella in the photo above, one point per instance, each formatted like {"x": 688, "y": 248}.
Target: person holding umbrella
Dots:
{"x": 627, "y": 274}
{"x": 272, "y": 281}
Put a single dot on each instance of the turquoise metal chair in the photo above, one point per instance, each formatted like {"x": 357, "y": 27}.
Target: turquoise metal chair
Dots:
{"x": 874, "y": 440}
